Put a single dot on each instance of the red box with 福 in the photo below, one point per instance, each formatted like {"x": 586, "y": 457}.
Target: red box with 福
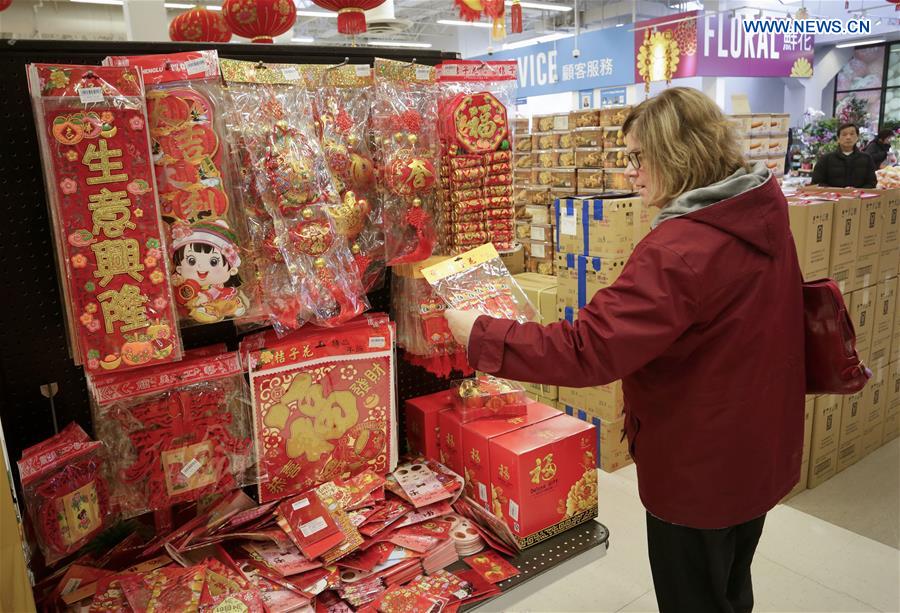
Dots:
{"x": 422, "y": 429}
{"x": 544, "y": 478}
{"x": 476, "y": 452}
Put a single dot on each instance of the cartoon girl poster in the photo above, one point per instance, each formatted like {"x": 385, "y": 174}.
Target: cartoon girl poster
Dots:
{"x": 207, "y": 260}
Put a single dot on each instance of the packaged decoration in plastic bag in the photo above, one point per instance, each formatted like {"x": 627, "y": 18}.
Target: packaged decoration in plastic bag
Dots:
{"x": 175, "y": 433}
{"x": 478, "y": 280}
{"x": 489, "y": 396}
{"x": 324, "y": 404}
{"x": 92, "y": 127}
{"x": 207, "y": 231}
{"x": 476, "y": 102}
{"x": 344, "y": 96}
{"x": 422, "y": 330}
{"x": 65, "y": 492}
{"x": 271, "y": 123}
{"x": 405, "y": 127}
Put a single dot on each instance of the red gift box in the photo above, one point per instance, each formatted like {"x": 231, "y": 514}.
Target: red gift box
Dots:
{"x": 450, "y": 429}
{"x": 323, "y": 404}
{"x": 544, "y": 478}
{"x": 476, "y": 448}
{"x": 422, "y": 430}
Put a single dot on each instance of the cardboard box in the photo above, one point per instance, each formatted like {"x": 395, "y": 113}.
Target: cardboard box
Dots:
{"x": 849, "y": 453}
{"x": 606, "y": 402}
{"x": 596, "y": 226}
{"x": 777, "y": 147}
{"x": 759, "y": 124}
{"x": 808, "y": 410}
{"x": 422, "y": 428}
{"x": 845, "y": 230}
{"x": 616, "y": 180}
{"x": 875, "y": 394}
{"x": 514, "y": 260}
{"x": 862, "y": 313}
{"x": 883, "y": 325}
{"x": 889, "y": 260}
{"x": 888, "y": 263}
{"x": 824, "y": 440}
{"x": 614, "y": 116}
{"x": 587, "y": 137}
{"x": 894, "y": 355}
{"x": 450, "y": 431}
{"x": 476, "y": 448}
{"x": 852, "y": 410}
{"x": 585, "y": 118}
{"x": 547, "y": 394}
{"x": 612, "y": 445}
{"x": 540, "y": 231}
{"x": 543, "y": 477}
{"x": 870, "y": 226}
{"x": 586, "y": 275}
{"x": 891, "y": 427}
{"x": 643, "y": 220}
{"x": 811, "y": 226}
{"x": 865, "y": 271}
{"x": 779, "y": 123}
{"x": 742, "y": 123}
{"x": 541, "y": 291}
{"x": 872, "y": 439}
{"x": 539, "y": 214}
{"x": 892, "y": 388}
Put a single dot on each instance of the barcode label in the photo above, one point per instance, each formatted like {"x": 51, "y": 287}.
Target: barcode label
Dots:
{"x": 423, "y": 73}
{"x": 90, "y": 95}
{"x": 195, "y": 66}
{"x": 71, "y": 586}
{"x": 290, "y": 73}
{"x": 300, "y": 504}
{"x": 482, "y": 492}
{"x": 567, "y": 225}
{"x": 311, "y": 527}
{"x": 190, "y": 468}
{"x": 363, "y": 70}
{"x": 513, "y": 510}
{"x": 377, "y": 342}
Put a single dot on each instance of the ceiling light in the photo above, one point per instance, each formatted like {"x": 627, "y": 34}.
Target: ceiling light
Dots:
{"x": 110, "y": 2}
{"x": 541, "y": 6}
{"x": 178, "y": 5}
{"x": 456, "y": 22}
{"x": 534, "y": 41}
{"x": 691, "y": 5}
{"x": 316, "y": 14}
{"x": 303, "y": 39}
{"x": 397, "y": 43}
{"x": 857, "y": 43}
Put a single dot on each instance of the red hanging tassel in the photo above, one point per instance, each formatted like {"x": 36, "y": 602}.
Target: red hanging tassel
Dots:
{"x": 351, "y": 21}
{"x": 515, "y": 18}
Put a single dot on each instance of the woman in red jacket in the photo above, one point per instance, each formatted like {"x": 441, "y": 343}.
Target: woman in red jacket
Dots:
{"x": 705, "y": 328}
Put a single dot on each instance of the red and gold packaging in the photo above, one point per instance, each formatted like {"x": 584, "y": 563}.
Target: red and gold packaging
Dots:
{"x": 92, "y": 123}
{"x": 323, "y": 404}
{"x": 544, "y": 478}
{"x": 476, "y": 448}
{"x": 422, "y": 430}
{"x": 450, "y": 429}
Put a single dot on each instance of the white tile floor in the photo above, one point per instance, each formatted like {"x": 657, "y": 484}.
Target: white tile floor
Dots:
{"x": 803, "y": 564}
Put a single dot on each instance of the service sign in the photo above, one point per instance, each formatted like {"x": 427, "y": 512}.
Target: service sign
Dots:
{"x": 605, "y": 59}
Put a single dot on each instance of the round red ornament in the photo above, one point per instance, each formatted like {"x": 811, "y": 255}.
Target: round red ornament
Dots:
{"x": 259, "y": 20}
{"x": 5, "y": 4}
{"x": 200, "y": 25}
{"x": 408, "y": 174}
{"x": 351, "y": 18}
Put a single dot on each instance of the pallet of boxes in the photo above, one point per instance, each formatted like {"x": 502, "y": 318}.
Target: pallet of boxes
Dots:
{"x": 763, "y": 137}
{"x": 853, "y": 237}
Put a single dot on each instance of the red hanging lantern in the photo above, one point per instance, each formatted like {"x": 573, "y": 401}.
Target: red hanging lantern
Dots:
{"x": 496, "y": 10}
{"x": 351, "y": 18}
{"x": 200, "y": 25}
{"x": 5, "y": 4}
{"x": 896, "y": 4}
{"x": 515, "y": 17}
{"x": 259, "y": 20}
{"x": 470, "y": 10}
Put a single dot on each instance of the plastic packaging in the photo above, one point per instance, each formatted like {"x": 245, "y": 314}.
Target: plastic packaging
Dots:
{"x": 65, "y": 492}
{"x": 488, "y": 396}
{"x": 271, "y": 123}
{"x": 405, "y": 126}
{"x": 92, "y": 127}
{"x": 475, "y": 103}
{"x": 175, "y": 433}
{"x": 478, "y": 280}
{"x": 344, "y": 97}
{"x": 207, "y": 232}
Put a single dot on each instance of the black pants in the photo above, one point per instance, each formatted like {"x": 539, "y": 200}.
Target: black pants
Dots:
{"x": 699, "y": 571}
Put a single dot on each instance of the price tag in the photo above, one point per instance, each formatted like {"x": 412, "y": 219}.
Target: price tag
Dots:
{"x": 311, "y": 527}
{"x": 423, "y": 73}
{"x": 538, "y": 251}
{"x": 377, "y": 342}
{"x": 290, "y": 73}
{"x": 90, "y": 95}
{"x": 568, "y": 225}
{"x": 190, "y": 468}
{"x": 71, "y": 586}
{"x": 363, "y": 70}
{"x": 538, "y": 233}
{"x": 300, "y": 504}
{"x": 482, "y": 491}
{"x": 195, "y": 66}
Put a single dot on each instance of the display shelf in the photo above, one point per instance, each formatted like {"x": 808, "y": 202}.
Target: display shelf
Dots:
{"x": 539, "y": 559}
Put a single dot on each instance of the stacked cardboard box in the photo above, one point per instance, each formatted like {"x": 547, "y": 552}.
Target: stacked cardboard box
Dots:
{"x": 763, "y": 138}
{"x": 542, "y": 292}
{"x": 853, "y": 235}
{"x": 808, "y": 412}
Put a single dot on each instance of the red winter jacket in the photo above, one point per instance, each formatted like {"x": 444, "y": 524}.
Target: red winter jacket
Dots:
{"x": 705, "y": 327}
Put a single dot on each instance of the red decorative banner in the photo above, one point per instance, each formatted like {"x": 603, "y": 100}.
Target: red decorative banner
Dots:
{"x": 323, "y": 404}
{"x": 99, "y": 174}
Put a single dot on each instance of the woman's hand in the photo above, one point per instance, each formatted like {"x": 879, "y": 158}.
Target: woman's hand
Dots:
{"x": 461, "y": 323}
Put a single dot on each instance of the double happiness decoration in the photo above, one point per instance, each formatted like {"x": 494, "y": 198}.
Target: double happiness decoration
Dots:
{"x": 94, "y": 143}
{"x": 207, "y": 233}
{"x": 323, "y": 403}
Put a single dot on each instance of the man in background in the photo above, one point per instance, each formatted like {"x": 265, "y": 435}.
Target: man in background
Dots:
{"x": 878, "y": 149}
{"x": 846, "y": 167}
